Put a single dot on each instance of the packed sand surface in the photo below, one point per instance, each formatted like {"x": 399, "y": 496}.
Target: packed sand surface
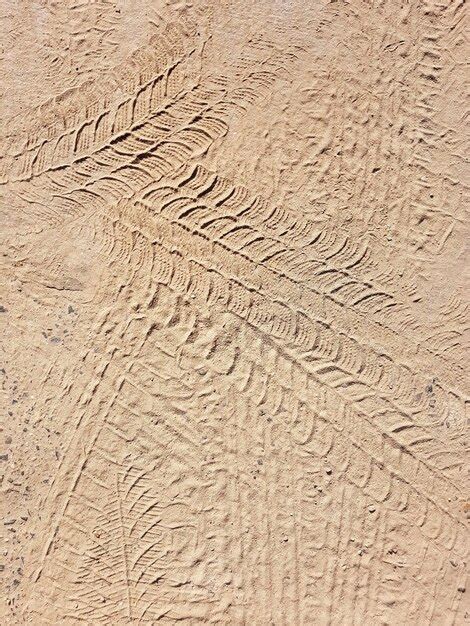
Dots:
{"x": 234, "y": 312}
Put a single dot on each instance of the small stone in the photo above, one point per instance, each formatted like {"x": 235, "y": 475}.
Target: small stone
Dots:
{"x": 9, "y": 521}
{"x": 3, "y": 457}
{"x": 461, "y": 589}
{"x": 2, "y": 309}
{"x": 328, "y": 470}
{"x": 71, "y": 309}
{"x": 371, "y": 509}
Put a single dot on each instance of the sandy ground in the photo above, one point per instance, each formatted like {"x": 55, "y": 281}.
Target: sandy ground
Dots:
{"x": 234, "y": 316}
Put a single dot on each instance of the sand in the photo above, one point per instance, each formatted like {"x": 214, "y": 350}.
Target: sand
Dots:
{"x": 234, "y": 312}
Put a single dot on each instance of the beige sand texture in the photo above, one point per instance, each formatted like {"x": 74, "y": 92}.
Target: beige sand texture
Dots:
{"x": 234, "y": 318}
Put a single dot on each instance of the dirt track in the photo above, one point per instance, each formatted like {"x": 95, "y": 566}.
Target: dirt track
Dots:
{"x": 234, "y": 312}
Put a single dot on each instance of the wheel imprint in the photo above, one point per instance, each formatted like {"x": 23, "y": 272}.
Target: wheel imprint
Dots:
{"x": 350, "y": 403}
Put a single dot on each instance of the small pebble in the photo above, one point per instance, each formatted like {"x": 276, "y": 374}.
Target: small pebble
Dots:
{"x": 371, "y": 509}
